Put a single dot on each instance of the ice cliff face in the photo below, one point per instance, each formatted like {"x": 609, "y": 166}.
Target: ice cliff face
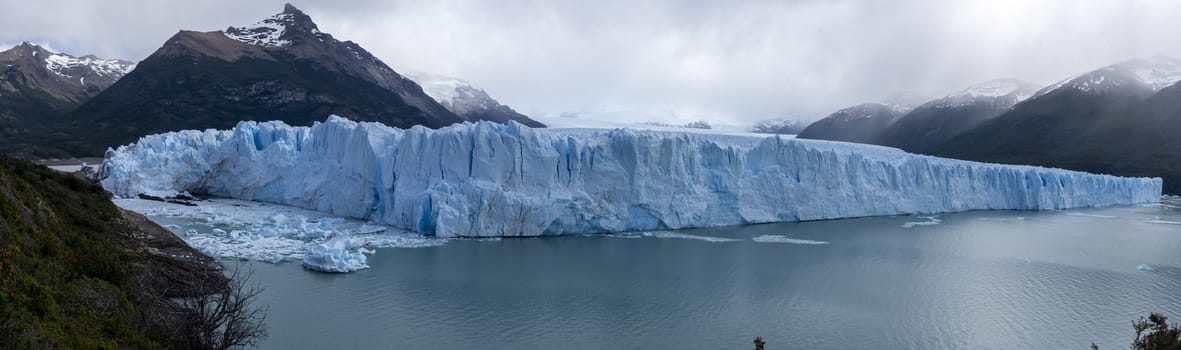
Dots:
{"x": 488, "y": 179}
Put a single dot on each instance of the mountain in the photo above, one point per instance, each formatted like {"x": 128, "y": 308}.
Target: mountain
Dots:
{"x": 282, "y": 68}
{"x": 1116, "y": 119}
{"x": 937, "y": 121}
{"x": 468, "y": 101}
{"x": 862, "y": 123}
{"x": 36, "y": 84}
{"x": 33, "y": 72}
{"x": 778, "y": 126}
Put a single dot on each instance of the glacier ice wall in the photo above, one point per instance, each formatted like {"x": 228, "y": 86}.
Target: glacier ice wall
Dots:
{"x": 488, "y": 179}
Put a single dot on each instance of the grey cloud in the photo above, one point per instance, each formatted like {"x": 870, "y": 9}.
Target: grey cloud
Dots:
{"x": 736, "y": 61}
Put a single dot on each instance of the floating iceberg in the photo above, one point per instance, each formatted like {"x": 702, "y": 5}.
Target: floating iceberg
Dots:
{"x": 931, "y": 221}
{"x": 339, "y": 254}
{"x": 784, "y": 239}
{"x": 675, "y": 235}
{"x": 487, "y": 179}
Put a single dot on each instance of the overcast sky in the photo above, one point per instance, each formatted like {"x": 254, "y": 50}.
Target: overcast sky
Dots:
{"x": 739, "y": 61}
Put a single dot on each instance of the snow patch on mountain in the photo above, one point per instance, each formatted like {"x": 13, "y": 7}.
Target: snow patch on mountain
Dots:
{"x": 1155, "y": 72}
{"x": 1001, "y": 91}
{"x": 60, "y": 64}
{"x": 268, "y": 32}
{"x": 1001, "y": 87}
{"x": 443, "y": 89}
{"x": 866, "y": 111}
{"x": 1159, "y": 71}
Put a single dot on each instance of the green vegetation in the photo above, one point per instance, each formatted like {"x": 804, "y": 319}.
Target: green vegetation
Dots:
{"x": 76, "y": 272}
{"x": 1155, "y": 333}
{"x": 1159, "y": 336}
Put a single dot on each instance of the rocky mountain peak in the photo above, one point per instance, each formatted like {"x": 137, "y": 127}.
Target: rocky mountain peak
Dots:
{"x": 25, "y": 49}
{"x": 276, "y": 31}
{"x": 28, "y": 46}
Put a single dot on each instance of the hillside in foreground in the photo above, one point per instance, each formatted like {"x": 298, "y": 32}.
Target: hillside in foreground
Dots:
{"x": 77, "y": 272}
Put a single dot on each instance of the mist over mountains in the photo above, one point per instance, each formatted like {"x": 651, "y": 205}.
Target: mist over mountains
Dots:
{"x": 1119, "y": 119}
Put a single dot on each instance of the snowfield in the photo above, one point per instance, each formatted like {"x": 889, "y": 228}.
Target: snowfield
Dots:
{"x": 491, "y": 180}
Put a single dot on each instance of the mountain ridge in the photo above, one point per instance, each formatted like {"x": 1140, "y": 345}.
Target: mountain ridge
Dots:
{"x": 939, "y": 120}
{"x": 860, "y": 123}
{"x": 282, "y": 68}
{"x": 1119, "y": 119}
{"x": 38, "y": 85}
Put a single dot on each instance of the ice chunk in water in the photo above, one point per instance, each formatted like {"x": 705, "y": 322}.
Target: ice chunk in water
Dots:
{"x": 335, "y": 255}
{"x": 931, "y": 221}
{"x": 784, "y": 239}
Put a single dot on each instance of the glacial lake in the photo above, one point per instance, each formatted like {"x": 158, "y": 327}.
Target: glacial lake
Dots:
{"x": 974, "y": 280}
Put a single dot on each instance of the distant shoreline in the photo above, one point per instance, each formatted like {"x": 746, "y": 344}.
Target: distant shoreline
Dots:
{"x": 69, "y": 161}
{"x": 69, "y": 165}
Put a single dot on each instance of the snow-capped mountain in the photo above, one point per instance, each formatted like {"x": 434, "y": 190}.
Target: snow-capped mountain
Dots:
{"x": 862, "y": 123}
{"x": 1117, "y": 119}
{"x": 468, "y": 101}
{"x": 63, "y": 77}
{"x": 37, "y": 86}
{"x": 281, "y": 68}
{"x": 269, "y": 32}
{"x": 1152, "y": 74}
{"x": 1007, "y": 91}
{"x": 937, "y": 121}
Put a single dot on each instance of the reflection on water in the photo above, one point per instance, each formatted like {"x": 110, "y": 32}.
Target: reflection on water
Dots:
{"x": 994, "y": 280}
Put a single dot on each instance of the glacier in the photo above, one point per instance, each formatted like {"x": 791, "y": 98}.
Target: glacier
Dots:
{"x": 495, "y": 180}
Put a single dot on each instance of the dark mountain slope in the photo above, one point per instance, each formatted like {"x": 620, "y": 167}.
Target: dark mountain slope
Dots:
{"x": 282, "y": 68}
{"x": 936, "y": 122}
{"x": 862, "y": 123}
{"x": 37, "y": 84}
{"x": 1111, "y": 120}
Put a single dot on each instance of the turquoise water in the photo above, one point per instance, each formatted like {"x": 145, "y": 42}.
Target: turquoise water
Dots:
{"x": 976, "y": 280}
